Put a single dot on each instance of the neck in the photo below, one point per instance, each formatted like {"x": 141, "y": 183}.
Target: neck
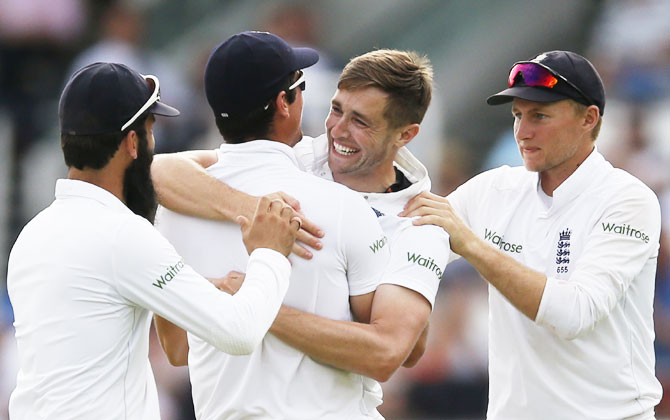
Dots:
{"x": 551, "y": 179}
{"x": 374, "y": 181}
{"x": 102, "y": 178}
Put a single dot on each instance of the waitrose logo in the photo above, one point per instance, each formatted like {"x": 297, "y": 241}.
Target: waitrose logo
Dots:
{"x": 378, "y": 244}
{"x": 626, "y": 230}
{"x": 171, "y": 273}
{"x": 426, "y": 262}
{"x": 498, "y": 240}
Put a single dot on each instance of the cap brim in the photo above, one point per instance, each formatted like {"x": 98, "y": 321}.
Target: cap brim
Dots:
{"x": 305, "y": 57}
{"x": 159, "y": 108}
{"x": 525, "y": 92}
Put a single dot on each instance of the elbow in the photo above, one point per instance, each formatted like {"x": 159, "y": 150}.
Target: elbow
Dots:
{"x": 177, "y": 353}
{"x": 386, "y": 365}
{"x": 415, "y": 356}
{"x": 575, "y": 332}
{"x": 178, "y": 358}
{"x": 575, "y": 311}
{"x": 571, "y": 327}
{"x": 242, "y": 343}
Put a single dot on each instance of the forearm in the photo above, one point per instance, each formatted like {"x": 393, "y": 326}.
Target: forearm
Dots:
{"x": 183, "y": 186}
{"x": 366, "y": 349}
{"x": 522, "y": 286}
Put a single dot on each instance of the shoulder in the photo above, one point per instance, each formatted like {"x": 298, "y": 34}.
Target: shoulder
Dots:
{"x": 504, "y": 178}
{"x": 311, "y": 152}
{"x": 618, "y": 185}
{"x": 135, "y": 234}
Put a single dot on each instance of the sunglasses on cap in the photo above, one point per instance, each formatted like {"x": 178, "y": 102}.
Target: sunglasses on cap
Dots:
{"x": 537, "y": 74}
{"x": 155, "y": 96}
{"x": 300, "y": 82}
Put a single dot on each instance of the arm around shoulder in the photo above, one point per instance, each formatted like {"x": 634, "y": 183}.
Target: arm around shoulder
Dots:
{"x": 183, "y": 186}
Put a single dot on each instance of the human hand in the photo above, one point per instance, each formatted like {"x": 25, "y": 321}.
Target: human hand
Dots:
{"x": 436, "y": 210}
{"x": 229, "y": 284}
{"x": 274, "y": 225}
{"x": 308, "y": 233}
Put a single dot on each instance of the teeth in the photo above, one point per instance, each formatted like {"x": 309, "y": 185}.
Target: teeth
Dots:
{"x": 343, "y": 150}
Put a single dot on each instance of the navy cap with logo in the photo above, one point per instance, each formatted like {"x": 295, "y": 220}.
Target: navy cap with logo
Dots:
{"x": 106, "y": 98}
{"x": 248, "y": 69}
{"x": 553, "y": 76}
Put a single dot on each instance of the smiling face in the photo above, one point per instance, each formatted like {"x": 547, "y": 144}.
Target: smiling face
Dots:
{"x": 361, "y": 142}
{"x": 553, "y": 139}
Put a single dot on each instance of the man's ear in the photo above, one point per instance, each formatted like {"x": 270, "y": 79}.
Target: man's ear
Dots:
{"x": 407, "y": 133}
{"x": 591, "y": 117}
{"x": 281, "y": 102}
{"x": 130, "y": 144}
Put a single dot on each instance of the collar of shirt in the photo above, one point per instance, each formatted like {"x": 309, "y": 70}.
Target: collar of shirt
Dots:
{"x": 416, "y": 173}
{"x": 262, "y": 151}
{"x": 72, "y": 188}
{"x": 576, "y": 183}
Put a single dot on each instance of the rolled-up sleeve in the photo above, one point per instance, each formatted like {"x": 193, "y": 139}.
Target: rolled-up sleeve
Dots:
{"x": 622, "y": 241}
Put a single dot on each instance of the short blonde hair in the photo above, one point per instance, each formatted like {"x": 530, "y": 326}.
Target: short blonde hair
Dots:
{"x": 405, "y": 76}
{"x": 580, "y": 109}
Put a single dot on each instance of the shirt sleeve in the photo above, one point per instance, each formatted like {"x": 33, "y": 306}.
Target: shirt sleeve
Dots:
{"x": 622, "y": 241}
{"x": 365, "y": 246}
{"x": 419, "y": 255}
{"x": 149, "y": 273}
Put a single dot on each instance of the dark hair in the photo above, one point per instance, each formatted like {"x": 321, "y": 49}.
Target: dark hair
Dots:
{"x": 256, "y": 124}
{"x": 95, "y": 151}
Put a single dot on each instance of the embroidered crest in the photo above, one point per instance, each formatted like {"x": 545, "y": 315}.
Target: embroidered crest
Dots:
{"x": 563, "y": 251}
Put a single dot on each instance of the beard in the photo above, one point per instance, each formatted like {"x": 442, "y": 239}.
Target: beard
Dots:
{"x": 138, "y": 188}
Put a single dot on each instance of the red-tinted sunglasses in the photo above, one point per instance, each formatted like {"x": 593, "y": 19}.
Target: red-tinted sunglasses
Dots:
{"x": 536, "y": 74}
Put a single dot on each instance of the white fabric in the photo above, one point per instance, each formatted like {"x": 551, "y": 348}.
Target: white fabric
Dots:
{"x": 277, "y": 381}
{"x": 590, "y": 354}
{"x": 418, "y": 253}
{"x": 83, "y": 277}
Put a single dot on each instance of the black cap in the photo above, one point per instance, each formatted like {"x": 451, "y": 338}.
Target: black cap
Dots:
{"x": 577, "y": 70}
{"x": 248, "y": 69}
{"x": 105, "y": 98}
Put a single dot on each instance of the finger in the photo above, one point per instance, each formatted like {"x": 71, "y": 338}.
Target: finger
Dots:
{"x": 430, "y": 219}
{"x": 287, "y": 212}
{"x": 415, "y": 198}
{"x": 276, "y": 206}
{"x": 428, "y": 210}
{"x": 263, "y": 204}
{"x": 242, "y": 221}
{"x": 435, "y": 202}
{"x": 295, "y": 204}
{"x": 295, "y": 222}
{"x": 416, "y": 202}
{"x": 301, "y": 251}
{"x": 310, "y": 227}
{"x": 308, "y": 239}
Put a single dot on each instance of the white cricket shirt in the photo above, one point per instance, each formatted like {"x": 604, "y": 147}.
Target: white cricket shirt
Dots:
{"x": 589, "y": 354}
{"x": 419, "y": 254}
{"x": 83, "y": 276}
{"x": 277, "y": 381}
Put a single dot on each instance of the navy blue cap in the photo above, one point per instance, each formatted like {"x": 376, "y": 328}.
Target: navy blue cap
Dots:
{"x": 248, "y": 69}
{"x": 106, "y": 98}
{"x": 577, "y": 70}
